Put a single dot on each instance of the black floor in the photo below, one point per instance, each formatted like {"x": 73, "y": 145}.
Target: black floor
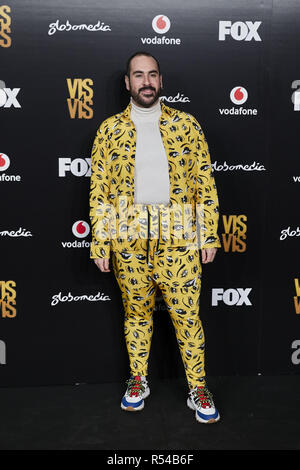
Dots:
{"x": 257, "y": 413}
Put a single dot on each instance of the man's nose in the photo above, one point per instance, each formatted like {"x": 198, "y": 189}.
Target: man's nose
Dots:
{"x": 146, "y": 80}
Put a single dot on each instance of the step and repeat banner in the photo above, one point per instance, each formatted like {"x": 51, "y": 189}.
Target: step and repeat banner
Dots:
{"x": 234, "y": 66}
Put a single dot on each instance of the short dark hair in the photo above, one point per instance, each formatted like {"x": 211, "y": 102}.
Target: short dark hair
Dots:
{"x": 138, "y": 54}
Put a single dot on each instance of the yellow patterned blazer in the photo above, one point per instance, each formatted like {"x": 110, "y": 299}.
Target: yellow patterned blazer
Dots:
{"x": 190, "y": 218}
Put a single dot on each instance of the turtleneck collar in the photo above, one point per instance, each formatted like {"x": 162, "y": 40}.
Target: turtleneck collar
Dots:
{"x": 140, "y": 112}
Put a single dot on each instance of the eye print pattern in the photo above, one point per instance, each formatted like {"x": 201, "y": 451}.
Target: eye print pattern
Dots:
{"x": 176, "y": 271}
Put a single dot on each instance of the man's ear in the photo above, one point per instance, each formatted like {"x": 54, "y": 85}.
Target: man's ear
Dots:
{"x": 161, "y": 81}
{"x": 127, "y": 82}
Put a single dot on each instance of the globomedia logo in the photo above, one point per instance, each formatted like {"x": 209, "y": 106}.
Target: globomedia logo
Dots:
{"x": 238, "y": 96}
{"x": 4, "y": 165}
{"x": 20, "y": 232}
{"x": 69, "y": 297}
{"x": 254, "y": 166}
{"x": 57, "y": 26}
{"x": 80, "y": 229}
{"x": 178, "y": 98}
{"x": 161, "y": 25}
{"x": 288, "y": 232}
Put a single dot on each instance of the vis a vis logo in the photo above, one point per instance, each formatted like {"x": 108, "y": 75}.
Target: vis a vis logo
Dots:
{"x": 80, "y": 100}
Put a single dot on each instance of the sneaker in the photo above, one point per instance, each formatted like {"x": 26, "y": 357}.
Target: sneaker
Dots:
{"x": 137, "y": 390}
{"x": 200, "y": 400}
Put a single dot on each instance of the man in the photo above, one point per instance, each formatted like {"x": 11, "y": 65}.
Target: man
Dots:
{"x": 154, "y": 161}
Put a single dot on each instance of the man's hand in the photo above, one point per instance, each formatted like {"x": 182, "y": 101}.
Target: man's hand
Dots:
{"x": 208, "y": 254}
{"x": 102, "y": 264}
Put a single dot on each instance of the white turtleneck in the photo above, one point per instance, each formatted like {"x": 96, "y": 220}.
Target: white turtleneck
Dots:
{"x": 151, "y": 182}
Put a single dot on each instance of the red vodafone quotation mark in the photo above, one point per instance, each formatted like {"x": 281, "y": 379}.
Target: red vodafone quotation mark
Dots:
{"x": 4, "y": 162}
{"x": 238, "y": 95}
{"x": 161, "y": 24}
{"x": 80, "y": 229}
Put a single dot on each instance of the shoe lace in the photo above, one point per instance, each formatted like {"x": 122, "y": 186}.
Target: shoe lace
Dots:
{"x": 203, "y": 396}
{"x": 135, "y": 386}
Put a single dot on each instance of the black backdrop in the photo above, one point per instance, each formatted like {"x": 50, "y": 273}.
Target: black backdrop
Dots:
{"x": 61, "y": 318}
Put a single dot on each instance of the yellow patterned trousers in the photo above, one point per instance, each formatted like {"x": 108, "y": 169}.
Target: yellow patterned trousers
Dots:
{"x": 176, "y": 271}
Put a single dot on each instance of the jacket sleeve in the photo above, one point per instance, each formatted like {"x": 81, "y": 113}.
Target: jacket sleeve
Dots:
{"x": 99, "y": 190}
{"x": 207, "y": 203}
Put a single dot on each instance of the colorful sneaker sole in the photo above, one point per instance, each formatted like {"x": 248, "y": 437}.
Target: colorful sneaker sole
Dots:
{"x": 132, "y": 408}
{"x": 201, "y": 417}
{"x": 127, "y": 406}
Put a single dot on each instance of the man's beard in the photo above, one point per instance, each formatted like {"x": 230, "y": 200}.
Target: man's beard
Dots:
{"x": 145, "y": 102}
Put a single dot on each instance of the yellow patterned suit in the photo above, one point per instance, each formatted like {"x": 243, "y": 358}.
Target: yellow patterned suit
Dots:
{"x": 156, "y": 246}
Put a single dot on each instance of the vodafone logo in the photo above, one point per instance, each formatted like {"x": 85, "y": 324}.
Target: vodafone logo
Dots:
{"x": 4, "y": 162}
{"x": 238, "y": 95}
{"x": 161, "y": 24}
{"x": 80, "y": 229}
